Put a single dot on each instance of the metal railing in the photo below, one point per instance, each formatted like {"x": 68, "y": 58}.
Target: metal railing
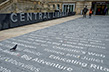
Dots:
{"x": 5, "y": 3}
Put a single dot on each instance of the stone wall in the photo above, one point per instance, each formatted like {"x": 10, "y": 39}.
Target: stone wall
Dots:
{"x": 80, "y": 5}
{"x": 24, "y": 7}
{"x": 17, "y": 7}
{"x": 29, "y": 6}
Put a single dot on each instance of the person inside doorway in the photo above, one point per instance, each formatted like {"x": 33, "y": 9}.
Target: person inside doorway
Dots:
{"x": 98, "y": 11}
{"x": 106, "y": 11}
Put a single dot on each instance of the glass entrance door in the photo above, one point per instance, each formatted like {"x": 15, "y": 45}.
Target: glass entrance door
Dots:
{"x": 65, "y": 9}
{"x": 68, "y": 8}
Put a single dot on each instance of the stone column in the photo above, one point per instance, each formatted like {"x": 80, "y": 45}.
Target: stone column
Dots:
{"x": 79, "y": 7}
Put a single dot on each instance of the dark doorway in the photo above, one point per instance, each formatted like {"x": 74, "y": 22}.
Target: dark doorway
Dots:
{"x": 100, "y": 9}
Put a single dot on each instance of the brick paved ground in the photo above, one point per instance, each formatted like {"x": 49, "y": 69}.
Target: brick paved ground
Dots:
{"x": 80, "y": 45}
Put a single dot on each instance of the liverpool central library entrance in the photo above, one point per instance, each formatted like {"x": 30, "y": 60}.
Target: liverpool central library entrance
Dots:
{"x": 99, "y": 7}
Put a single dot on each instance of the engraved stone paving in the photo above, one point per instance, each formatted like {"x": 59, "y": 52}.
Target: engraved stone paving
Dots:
{"x": 80, "y": 45}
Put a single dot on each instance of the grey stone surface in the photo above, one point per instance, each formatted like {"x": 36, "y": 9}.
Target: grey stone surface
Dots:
{"x": 79, "y": 45}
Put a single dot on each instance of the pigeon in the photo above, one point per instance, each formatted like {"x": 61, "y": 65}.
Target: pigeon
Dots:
{"x": 14, "y": 48}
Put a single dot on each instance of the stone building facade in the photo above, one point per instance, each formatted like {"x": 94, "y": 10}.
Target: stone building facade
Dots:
{"x": 78, "y": 5}
{"x": 55, "y": 5}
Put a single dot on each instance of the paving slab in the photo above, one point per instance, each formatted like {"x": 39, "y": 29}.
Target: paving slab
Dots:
{"x": 78, "y": 45}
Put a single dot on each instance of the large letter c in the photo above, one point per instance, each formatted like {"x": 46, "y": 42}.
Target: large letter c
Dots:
{"x": 12, "y": 17}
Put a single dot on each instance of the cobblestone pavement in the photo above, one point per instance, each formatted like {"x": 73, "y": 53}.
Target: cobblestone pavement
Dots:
{"x": 80, "y": 45}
